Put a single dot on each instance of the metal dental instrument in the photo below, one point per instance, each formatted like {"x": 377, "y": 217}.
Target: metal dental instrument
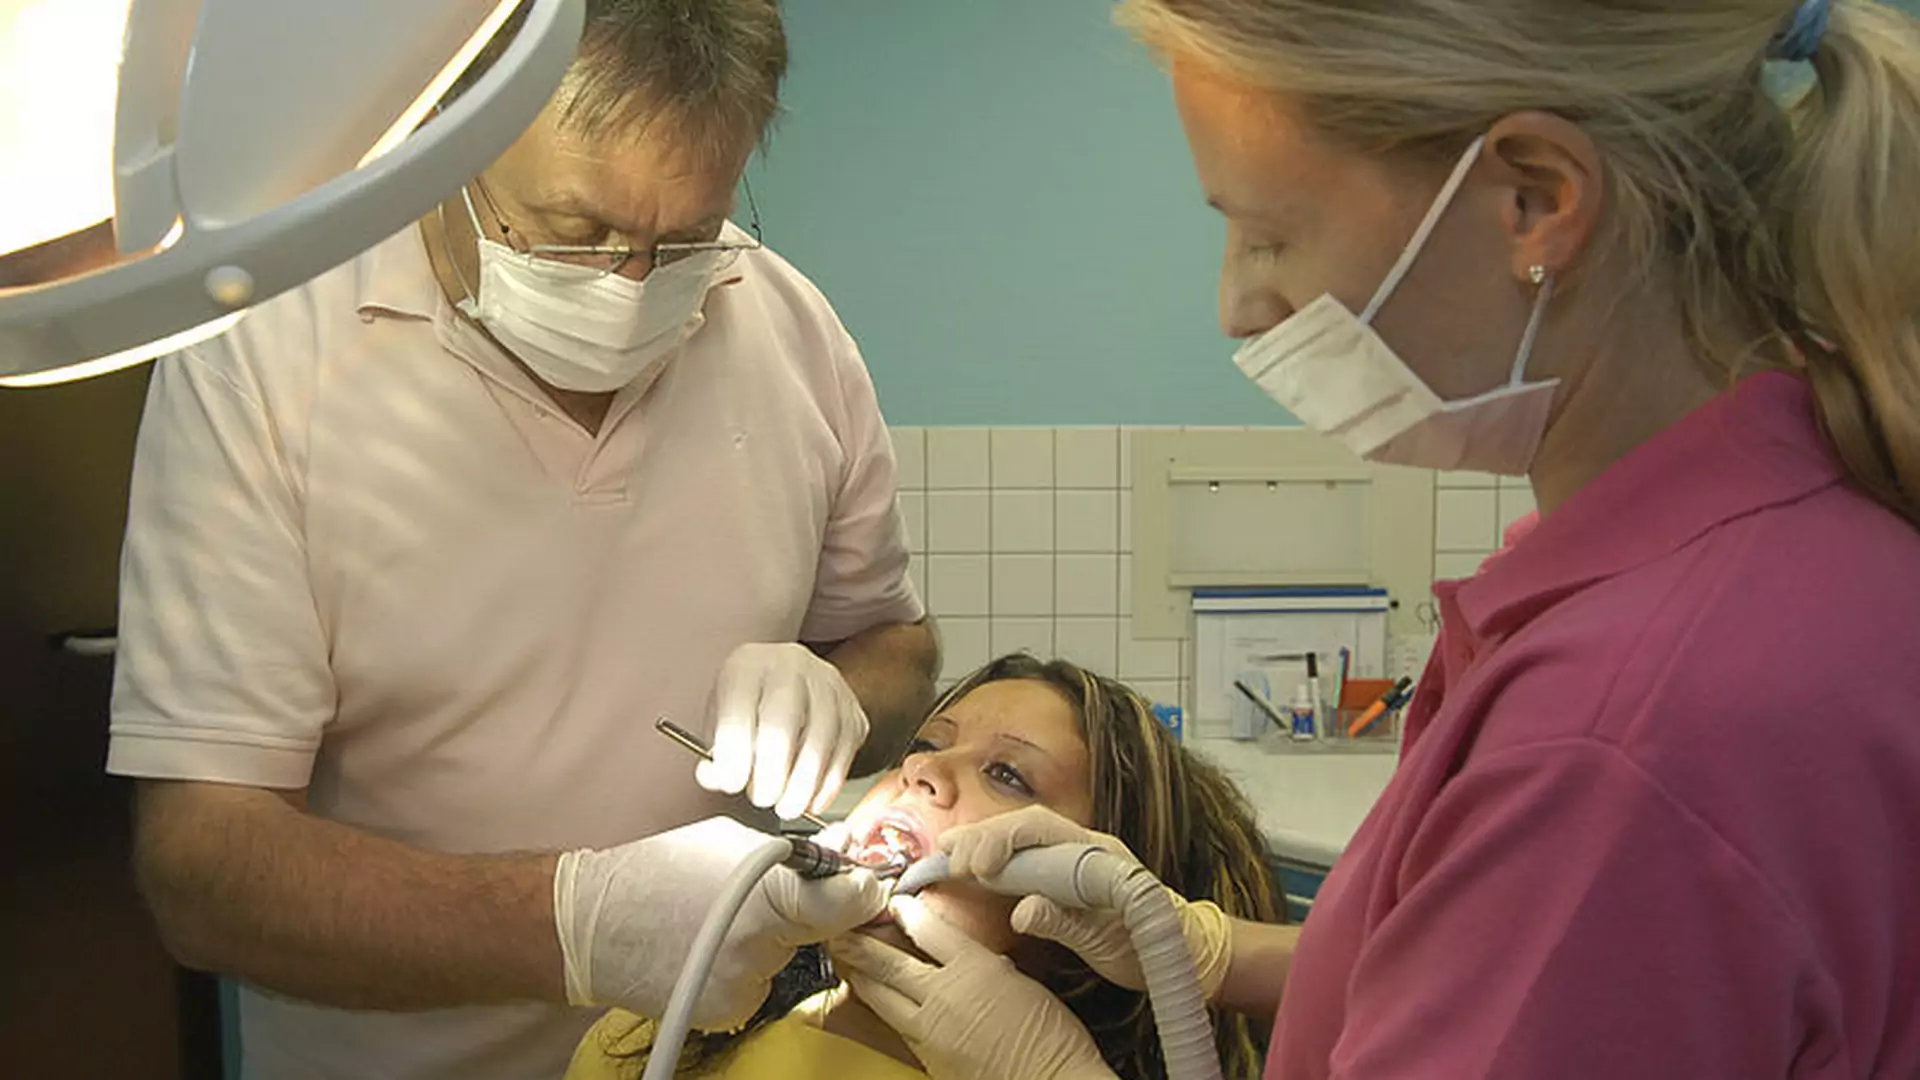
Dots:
{"x": 809, "y": 860}
{"x": 692, "y": 742}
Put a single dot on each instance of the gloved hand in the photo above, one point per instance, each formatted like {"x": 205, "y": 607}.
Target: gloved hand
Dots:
{"x": 785, "y": 729}
{"x": 973, "y": 1014}
{"x": 1100, "y": 938}
{"x": 626, "y": 916}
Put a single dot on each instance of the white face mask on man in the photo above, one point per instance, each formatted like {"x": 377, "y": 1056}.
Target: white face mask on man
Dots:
{"x": 580, "y": 328}
{"x": 1330, "y": 368}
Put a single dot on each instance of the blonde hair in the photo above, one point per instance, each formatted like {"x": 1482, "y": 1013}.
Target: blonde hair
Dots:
{"x": 1797, "y": 224}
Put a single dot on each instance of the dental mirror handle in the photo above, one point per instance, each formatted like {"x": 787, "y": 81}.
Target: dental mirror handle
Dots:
{"x": 691, "y": 742}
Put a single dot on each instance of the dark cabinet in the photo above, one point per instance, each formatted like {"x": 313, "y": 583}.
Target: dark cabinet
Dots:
{"x": 85, "y": 989}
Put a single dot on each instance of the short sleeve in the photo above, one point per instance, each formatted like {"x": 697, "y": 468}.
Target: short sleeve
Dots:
{"x": 222, "y": 671}
{"x": 1560, "y": 915}
{"x": 862, "y": 580}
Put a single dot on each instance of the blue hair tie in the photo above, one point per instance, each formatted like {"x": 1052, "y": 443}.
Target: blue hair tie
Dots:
{"x": 1799, "y": 40}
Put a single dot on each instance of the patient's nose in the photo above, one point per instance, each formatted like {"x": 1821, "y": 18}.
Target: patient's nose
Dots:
{"x": 930, "y": 775}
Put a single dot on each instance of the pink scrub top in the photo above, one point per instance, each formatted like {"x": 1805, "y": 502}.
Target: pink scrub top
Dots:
{"x": 1658, "y": 812}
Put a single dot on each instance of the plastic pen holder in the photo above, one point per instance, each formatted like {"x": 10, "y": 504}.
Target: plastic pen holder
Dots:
{"x": 1384, "y": 731}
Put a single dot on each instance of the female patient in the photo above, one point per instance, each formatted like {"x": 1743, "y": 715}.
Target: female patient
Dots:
{"x": 1016, "y": 733}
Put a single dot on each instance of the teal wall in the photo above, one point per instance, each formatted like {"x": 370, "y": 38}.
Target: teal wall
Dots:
{"x": 996, "y": 196}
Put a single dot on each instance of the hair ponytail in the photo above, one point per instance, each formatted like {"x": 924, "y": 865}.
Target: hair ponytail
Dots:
{"x": 1850, "y": 227}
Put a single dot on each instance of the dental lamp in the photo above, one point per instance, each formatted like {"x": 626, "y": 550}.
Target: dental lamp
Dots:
{"x": 250, "y": 146}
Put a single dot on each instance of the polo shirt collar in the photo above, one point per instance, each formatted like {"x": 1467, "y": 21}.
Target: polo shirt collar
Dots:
{"x": 395, "y": 278}
{"x": 1753, "y": 447}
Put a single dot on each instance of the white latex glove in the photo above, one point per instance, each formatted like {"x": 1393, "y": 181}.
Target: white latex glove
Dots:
{"x": 627, "y": 915}
{"x": 785, "y": 729}
{"x": 1100, "y": 938}
{"x": 971, "y": 1015}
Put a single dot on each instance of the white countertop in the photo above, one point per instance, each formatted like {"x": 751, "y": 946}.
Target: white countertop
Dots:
{"x": 1308, "y": 804}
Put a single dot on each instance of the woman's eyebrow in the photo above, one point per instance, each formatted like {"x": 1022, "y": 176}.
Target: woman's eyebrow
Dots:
{"x": 1034, "y": 746}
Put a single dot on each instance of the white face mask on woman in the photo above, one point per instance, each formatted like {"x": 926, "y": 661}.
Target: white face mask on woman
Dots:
{"x": 580, "y": 328}
{"x": 1330, "y": 368}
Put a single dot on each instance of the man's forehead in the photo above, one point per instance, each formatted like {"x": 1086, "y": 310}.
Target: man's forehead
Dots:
{"x": 619, "y": 177}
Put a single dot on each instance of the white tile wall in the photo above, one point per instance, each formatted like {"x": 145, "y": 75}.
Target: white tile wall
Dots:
{"x": 1087, "y": 585}
{"x": 1451, "y": 565}
{"x": 958, "y": 458}
{"x": 1023, "y": 521}
{"x": 1466, "y": 519}
{"x": 1034, "y": 635}
{"x": 1088, "y": 521}
{"x": 1149, "y": 659}
{"x": 965, "y": 645}
{"x": 1022, "y": 457}
{"x": 958, "y": 523}
{"x": 958, "y": 584}
{"x": 1023, "y": 540}
{"x": 1086, "y": 458}
{"x": 910, "y": 457}
{"x": 913, "y": 508}
{"x": 1023, "y": 585}
{"x": 1091, "y": 643}
{"x": 1466, "y": 480}
{"x": 1516, "y": 501}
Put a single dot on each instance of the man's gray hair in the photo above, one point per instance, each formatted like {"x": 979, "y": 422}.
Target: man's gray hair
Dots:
{"x": 707, "y": 71}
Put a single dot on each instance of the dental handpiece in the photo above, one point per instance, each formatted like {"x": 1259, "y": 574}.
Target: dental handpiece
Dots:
{"x": 690, "y": 741}
{"x": 809, "y": 860}
{"x": 813, "y": 862}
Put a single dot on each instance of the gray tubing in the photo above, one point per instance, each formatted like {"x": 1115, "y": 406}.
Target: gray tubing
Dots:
{"x": 931, "y": 870}
{"x": 706, "y": 946}
{"x": 1083, "y": 876}
{"x": 1097, "y": 878}
{"x": 1173, "y": 985}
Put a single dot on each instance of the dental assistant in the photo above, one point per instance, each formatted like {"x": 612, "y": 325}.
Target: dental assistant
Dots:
{"x": 418, "y": 553}
{"x": 1654, "y": 812}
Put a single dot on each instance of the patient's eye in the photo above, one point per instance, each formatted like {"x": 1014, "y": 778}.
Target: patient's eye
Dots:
{"x": 1009, "y": 777}
{"x": 921, "y": 745}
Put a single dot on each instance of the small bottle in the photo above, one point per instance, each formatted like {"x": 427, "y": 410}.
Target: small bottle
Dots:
{"x": 1303, "y": 718}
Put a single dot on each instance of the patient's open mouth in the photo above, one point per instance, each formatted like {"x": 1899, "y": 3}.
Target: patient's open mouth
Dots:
{"x": 895, "y": 841}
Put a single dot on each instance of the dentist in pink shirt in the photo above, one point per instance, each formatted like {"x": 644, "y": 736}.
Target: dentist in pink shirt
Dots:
{"x": 1655, "y": 812}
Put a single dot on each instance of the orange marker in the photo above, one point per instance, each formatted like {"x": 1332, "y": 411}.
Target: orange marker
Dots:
{"x": 1378, "y": 709}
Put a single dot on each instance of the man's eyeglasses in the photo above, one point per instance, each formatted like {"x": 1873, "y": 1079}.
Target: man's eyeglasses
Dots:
{"x": 611, "y": 260}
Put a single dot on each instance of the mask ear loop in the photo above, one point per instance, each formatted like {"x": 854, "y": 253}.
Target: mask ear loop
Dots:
{"x": 446, "y": 246}
{"x": 1540, "y": 299}
{"x": 1427, "y": 224}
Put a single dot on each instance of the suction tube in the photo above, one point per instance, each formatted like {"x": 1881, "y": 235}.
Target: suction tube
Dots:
{"x": 1084, "y": 876}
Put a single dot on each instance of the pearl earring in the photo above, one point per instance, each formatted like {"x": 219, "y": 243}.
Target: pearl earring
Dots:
{"x": 1537, "y": 274}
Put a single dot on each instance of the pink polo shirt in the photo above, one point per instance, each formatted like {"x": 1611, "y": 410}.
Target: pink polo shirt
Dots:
{"x": 1656, "y": 812}
{"x": 366, "y": 556}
